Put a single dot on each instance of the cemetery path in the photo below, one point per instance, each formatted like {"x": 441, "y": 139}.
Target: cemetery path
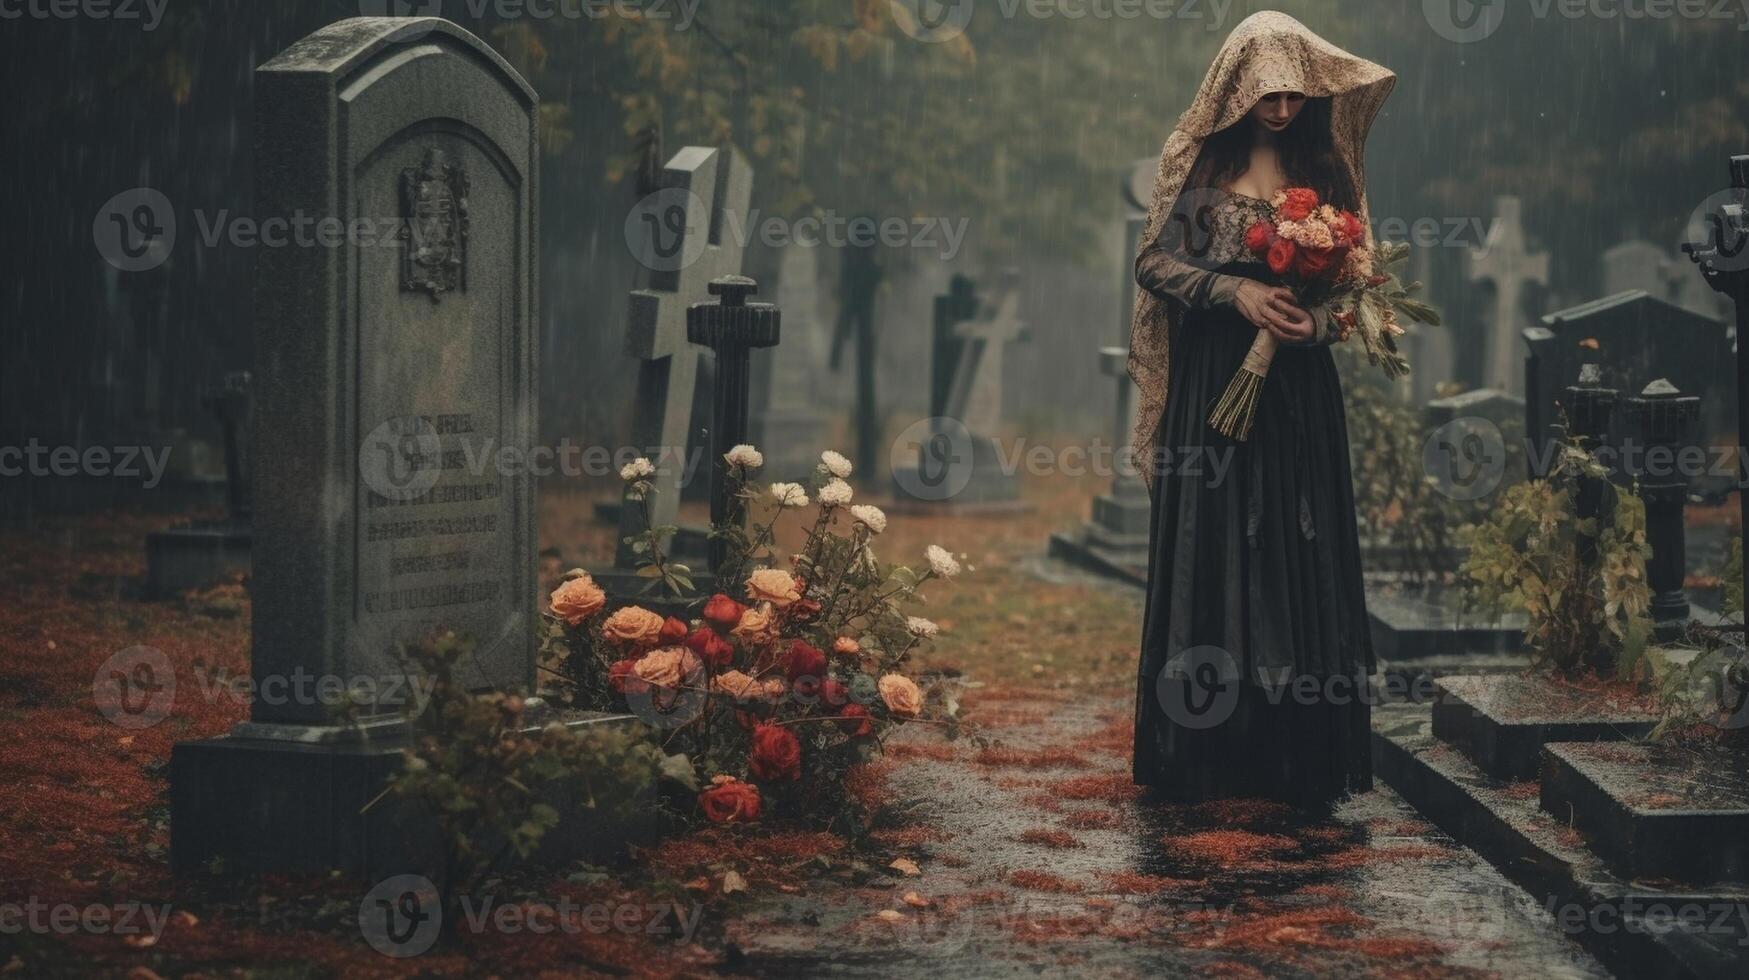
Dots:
{"x": 1032, "y": 853}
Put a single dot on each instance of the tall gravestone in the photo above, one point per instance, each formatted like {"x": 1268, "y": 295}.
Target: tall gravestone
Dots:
{"x": 684, "y": 235}
{"x": 1640, "y": 264}
{"x": 1507, "y": 261}
{"x": 395, "y": 383}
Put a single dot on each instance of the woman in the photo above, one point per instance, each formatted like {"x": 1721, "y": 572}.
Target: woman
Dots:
{"x": 1255, "y": 644}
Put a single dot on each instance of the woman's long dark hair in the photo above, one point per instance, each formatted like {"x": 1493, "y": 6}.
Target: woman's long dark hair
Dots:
{"x": 1308, "y": 156}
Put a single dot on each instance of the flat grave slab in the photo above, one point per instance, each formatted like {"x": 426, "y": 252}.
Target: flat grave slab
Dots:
{"x": 1503, "y": 721}
{"x": 1410, "y": 622}
{"x": 1653, "y": 810}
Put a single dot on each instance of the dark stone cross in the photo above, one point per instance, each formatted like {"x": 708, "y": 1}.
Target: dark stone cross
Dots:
{"x": 1663, "y": 418}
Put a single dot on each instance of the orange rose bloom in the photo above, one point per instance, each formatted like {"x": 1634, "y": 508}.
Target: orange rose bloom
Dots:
{"x": 901, "y": 694}
{"x": 577, "y": 600}
{"x": 773, "y": 585}
{"x": 729, "y": 801}
{"x": 634, "y": 626}
{"x": 669, "y": 667}
{"x": 755, "y": 624}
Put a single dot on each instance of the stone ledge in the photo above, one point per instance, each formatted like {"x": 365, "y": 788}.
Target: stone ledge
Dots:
{"x": 1502, "y": 721}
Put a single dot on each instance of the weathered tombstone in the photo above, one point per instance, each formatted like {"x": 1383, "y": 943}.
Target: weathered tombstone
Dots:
{"x": 732, "y": 329}
{"x": 787, "y": 424}
{"x": 1632, "y": 337}
{"x": 684, "y": 236}
{"x": 204, "y": 552}
{"x": 960, "y": 463}
{"x": 395, "y": 393}
{"x": 1660, "y": 272}
{"x": 1507, "y": 261}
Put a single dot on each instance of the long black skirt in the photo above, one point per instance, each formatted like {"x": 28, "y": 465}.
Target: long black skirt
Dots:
{"x": 1255, "y": 647}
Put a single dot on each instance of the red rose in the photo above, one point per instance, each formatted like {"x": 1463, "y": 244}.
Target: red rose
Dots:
{"x": 777, "y": 754}
{"x": 1257, "y": 238}
{"x": 834, "y": 693}
{"x": 731, "y": 801}
{"x": 805, "y": 660}
{"x": 804, "y": 610}
{"x": 1281, "y": 256}
{"x": 1351, "y": 227}
{"x": 673, "y": 631}
{"x": 856, "y": 720}
{"x": 715, "y": 651}
{"x": 620, "y": 677}
{"x": 723, "y": 611}
{"x": 1312, "y": 263}
{"x": 1300, "y": 203}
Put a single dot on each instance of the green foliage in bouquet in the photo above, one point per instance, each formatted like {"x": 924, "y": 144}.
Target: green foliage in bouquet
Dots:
{"x": 1371, "y": 308}
{"x": 783, "y": 683}
{"x": 1531, "y": 554}
{"x": 489, "y": 779}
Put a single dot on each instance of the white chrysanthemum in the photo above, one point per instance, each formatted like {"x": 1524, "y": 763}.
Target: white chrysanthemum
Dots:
{"x": 943, "y": 563}
{"x": 835, "y": 464}
{"x": 789, "y": 494}
{"x": 745, "y": 456}
{"x": 637, "y": 469}
{"x": 920, "y": 627}
{"x": 870, "y": 516}
{"x": 836, "y": 493}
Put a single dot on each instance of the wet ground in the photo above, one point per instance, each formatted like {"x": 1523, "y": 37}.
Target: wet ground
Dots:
{"x": 1033, "y": 854}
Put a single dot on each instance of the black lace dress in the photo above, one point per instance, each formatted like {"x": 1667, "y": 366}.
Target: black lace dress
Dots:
{"x": 1255, "y": 647}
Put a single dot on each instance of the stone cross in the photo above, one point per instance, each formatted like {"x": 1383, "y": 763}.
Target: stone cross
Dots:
{"x": 976, "y": 395}
{"x": 684, "y": 236}
{"x": 1506, "y": 260}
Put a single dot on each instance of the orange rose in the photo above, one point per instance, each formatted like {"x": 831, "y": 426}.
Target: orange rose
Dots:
{"x": 577, "y": 599}
{"x": 901, "y": 694}
{"x": 846, "y": 646}
{"x": 634, "y": 626}
{"x": 755, "y": 624}
{"x": 773, "y": 585}
{"x": 729, "y": 801}
{"x": 669, "y": 667}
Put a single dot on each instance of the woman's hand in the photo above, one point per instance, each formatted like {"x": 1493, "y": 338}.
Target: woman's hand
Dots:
{"x": 1273, "y": 308}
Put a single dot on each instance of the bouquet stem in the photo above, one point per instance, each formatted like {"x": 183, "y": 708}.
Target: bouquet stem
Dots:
{"x": 1237, "y": 407}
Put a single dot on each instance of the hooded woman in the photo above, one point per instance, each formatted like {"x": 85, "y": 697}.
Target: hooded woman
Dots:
{"x": 1255, "y": 645}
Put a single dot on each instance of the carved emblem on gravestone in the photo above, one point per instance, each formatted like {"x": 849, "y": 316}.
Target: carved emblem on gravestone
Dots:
{"x": 434, "y": 228}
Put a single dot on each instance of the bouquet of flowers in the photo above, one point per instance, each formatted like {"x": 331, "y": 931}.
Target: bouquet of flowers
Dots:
{"x": 778, "y": 686}
{"x": 1321, "y": 252}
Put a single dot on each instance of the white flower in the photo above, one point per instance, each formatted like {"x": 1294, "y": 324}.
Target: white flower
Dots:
{"x": 870, "y": 516}
{"x": 789, "y": 494}
{"x": 745, "y": 456}
{"x": 637, "y": 469}
{"x": 835, "y": 464}
{"x": 836, "y": 493}
{"x": 941, "y": 562}
{"x": 920, "y": 627}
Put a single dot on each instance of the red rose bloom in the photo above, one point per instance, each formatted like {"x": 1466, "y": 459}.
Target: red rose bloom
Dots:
{"x": 777, "y": 754}
{"x": 805, "y": 660}
{"x": 1300, "y": 203}
{"x": 856, "y": 720}
{"x": 673, "y": 631}
{"x": 715, "y": 651}
{"x": 722, "y": 611}
{"x": 1281, "y": 256}
{"x": 620, "y": 677}
{"x": 834, "y": 693}
{"x": 1352, "y": 229}
{"x": 804, "y": 610}
{"x": 1312, "y": 263}
{"x": 1257, "y": 238}
{"x": 730, "y": 802}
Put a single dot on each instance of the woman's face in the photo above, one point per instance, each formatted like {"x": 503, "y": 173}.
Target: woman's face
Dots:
{"x": 1277, "y": 110}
